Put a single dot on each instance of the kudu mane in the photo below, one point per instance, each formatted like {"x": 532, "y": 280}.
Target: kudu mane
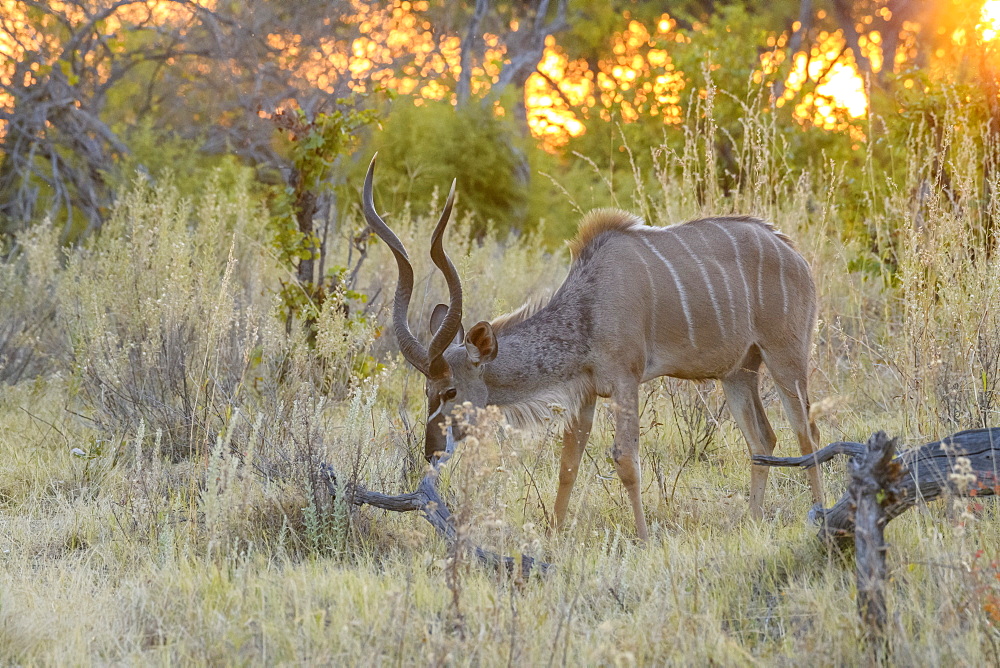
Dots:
{"x": 599, "y": 221}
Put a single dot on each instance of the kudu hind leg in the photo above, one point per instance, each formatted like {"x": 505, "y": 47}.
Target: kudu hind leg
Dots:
{"x": 625, "y": 451}
{"x": 742, "y": 390}
{"x": 574, "y": 442}
{"x": 791, "y": 381}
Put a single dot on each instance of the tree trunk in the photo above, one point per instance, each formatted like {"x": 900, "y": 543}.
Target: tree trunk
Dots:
{"x": 305, "y": 211}
{"x": 470, "y": 43}
{"x": 795, "y": 43}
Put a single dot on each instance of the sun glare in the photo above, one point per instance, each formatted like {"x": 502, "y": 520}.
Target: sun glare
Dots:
{"x": 989, "y": 24}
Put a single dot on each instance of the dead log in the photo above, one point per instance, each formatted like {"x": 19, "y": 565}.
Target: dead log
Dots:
{"x": 875, "y": 476}
{"x": 428, "y": 502}
{"x": 882, "y": 487}
{"x": 963, "y": 464}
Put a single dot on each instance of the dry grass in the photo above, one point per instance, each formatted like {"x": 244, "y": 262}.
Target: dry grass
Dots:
{"x": 157, "y": 466}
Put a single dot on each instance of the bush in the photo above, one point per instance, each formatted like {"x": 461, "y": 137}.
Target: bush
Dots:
{"x": 159, "y": 311}
{"x": 422, "y": 148}
{"x": 29, "y": 341}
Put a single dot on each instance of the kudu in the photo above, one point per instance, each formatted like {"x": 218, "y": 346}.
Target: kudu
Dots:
{"x": 711, "y": 298}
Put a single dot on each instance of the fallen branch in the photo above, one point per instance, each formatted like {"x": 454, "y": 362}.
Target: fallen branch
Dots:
{"x": 882, "y": 487}
{"x": 926, "y": 473}
{"x": 432, "y": 507}
{"x": 819, "y": 457}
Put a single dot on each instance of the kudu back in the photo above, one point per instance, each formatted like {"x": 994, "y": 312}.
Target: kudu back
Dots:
{"x": 712, "y": 298}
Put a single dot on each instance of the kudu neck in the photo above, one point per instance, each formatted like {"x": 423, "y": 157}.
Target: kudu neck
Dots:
{"x": 540, "y": 354}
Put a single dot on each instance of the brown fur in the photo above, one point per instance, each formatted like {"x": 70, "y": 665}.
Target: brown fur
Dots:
{"x": 599, "y": 221}
{"x": 748, "y": 219}
{"x": 607, "y": 342}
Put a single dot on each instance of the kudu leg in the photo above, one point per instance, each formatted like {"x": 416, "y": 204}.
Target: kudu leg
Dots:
{"x": 625, "y": 451}
{"x": 791, "y": 381}
{"x": 574, "y": 442}
{"x": 742, "y": 389}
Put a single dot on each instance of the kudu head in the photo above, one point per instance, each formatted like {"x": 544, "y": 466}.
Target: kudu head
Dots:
{"x": 452, "y": 362}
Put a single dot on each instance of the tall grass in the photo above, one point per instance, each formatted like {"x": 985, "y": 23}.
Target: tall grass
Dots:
{"x": 160, "y": 435}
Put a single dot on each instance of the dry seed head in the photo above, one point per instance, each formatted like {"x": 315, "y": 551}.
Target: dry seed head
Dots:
{"x": 962, "y": 476}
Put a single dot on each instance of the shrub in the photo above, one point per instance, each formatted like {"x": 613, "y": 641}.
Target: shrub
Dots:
{"x": 160, "y": 313}
{"x": 29, "y": 339}
{"x": 422, "y": 148}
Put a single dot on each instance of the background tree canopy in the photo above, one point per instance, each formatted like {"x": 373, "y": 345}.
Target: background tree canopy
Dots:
{"x": 493, "y": 92}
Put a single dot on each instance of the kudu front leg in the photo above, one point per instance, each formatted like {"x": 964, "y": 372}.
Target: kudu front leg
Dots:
{"x": 574, "y": 442}
{"x": 625, "y": 451}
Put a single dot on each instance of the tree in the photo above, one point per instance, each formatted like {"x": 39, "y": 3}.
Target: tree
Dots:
{"x": 203, "y": 71}
{"x": 55, "y": 138}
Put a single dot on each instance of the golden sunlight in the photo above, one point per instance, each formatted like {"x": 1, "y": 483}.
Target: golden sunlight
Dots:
{"x": 834, "y": 93}
{"x": 989, "y": 25}
{"x": 637, "y": 79}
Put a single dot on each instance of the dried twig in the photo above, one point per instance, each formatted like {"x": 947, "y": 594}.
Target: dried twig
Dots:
{"x": 433, "y": 508}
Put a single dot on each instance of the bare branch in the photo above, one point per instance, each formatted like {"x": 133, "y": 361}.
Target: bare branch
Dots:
{"x": 426, "y": 500}
{"x": 925, "y": 475}
{"x": 470, "y": 42}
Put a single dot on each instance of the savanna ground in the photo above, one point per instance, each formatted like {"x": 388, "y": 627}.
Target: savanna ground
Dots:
{"x": 161, "y": 430}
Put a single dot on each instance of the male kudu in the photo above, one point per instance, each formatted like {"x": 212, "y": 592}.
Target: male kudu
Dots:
{"x": 711, "y": 298}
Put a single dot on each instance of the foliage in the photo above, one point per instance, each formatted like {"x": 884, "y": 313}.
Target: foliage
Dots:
{"x": 29, "y": 344}
{"x": 314, "y": 146}
{"x": 422, "y": 148}
{"x": 722, "y": 87}
{"x": 174, "y": 348}
{"x": 164, "y": 155}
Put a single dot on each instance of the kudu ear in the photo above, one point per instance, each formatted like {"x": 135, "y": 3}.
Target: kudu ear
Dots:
{"x": 437, "y": 317}
{"x": 481, "y": 343}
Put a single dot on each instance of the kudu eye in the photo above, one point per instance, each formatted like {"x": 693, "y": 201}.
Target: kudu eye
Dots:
{"x": 449, "y": 394}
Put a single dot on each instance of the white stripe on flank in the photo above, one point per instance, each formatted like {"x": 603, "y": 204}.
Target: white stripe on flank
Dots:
{"x": 760, "y": 268}
{"x": 652, "y": 290}
{"x": 708, "y": 283}
{"x": 725, "y": 280}
{"x": 781, "y": 271}
{"x": 740, "y": 268}
{"x": 677, "y": 284}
